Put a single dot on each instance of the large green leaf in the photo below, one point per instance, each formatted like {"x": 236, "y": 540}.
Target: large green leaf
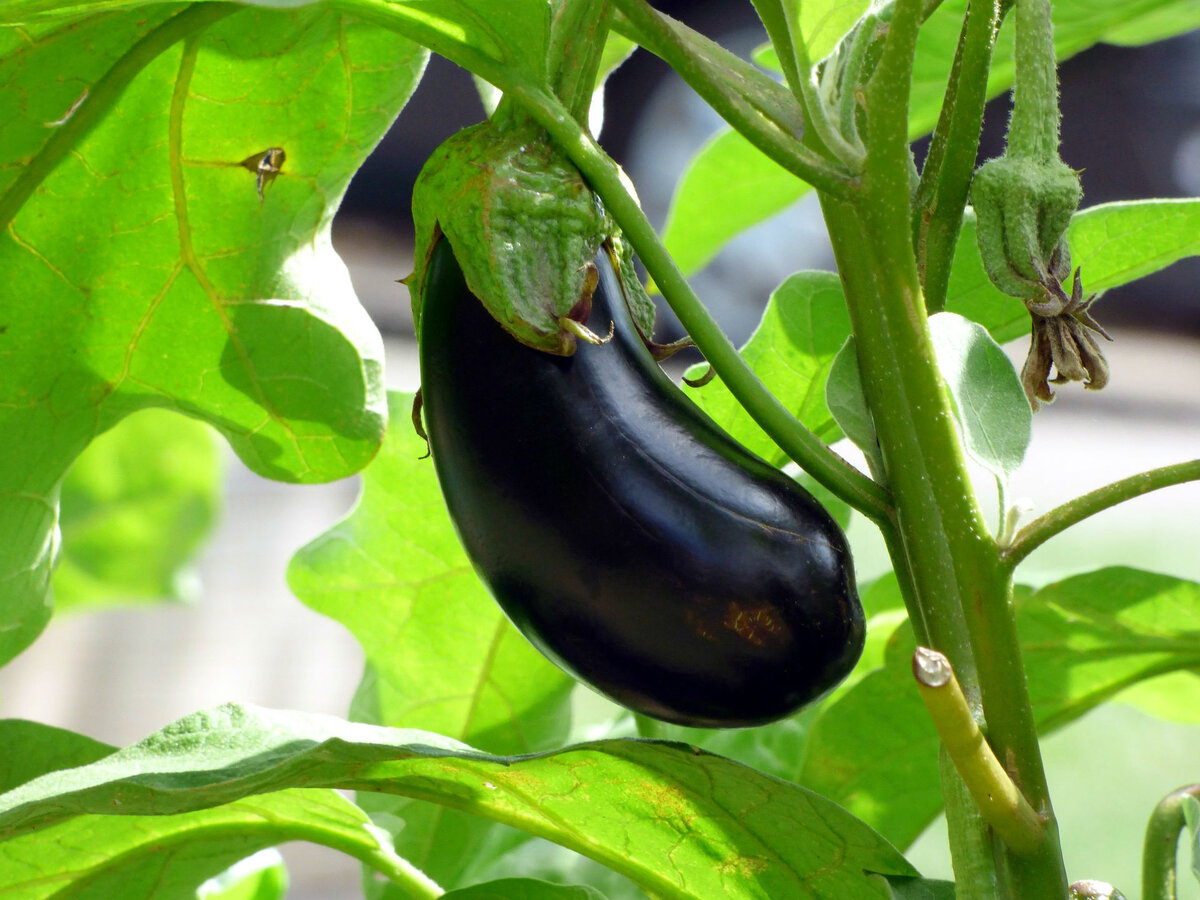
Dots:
{"x": 260, "y": 876}
{"x": 141, "y": 267}
{"x": 136, "y": 506}
{"x": 1112, "y": 244}
{"x": 730, "y": 185}
{"x": 802, "y": 329}
{"x": 477, "y": 34}
{"x": 158, "y": 856}
{"x": 1084, "y": 640}
{"x": 441, "y": 656}
{"x": 678, "y": 821}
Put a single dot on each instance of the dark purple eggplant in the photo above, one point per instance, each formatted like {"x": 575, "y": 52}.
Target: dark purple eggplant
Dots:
{"x": 629, "y": 538}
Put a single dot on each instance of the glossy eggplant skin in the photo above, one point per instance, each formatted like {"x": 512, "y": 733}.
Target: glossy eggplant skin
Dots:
{"x": 630, "y": 539}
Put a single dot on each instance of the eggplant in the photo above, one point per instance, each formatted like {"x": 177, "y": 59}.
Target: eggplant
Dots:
{"x": 627, "y": 536}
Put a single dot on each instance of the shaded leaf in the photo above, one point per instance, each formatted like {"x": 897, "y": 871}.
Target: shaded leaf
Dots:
{"x": 1112, "y": 244}
{"x": 179, "y": 288}
{"x": 802, "y": 328}
{"x": 1084, "y": 640}
{"x": 677, "y": 821}
{"x": 136, "y": 506}
{"x": 441, "y": 656}
{"x": 993, "y": 413}
{"x": 848, "y": 404}
{"x": 1191, "y": 812}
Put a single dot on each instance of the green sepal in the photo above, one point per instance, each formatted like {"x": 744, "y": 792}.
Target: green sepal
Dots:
{"x": 523, "y": 224}
{"x": 1023, "y": 207}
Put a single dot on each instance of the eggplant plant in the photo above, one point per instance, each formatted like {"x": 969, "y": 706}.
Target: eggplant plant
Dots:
{"x": 169, "y": 177}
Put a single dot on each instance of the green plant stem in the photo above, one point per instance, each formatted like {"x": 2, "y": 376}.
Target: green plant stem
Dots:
{"x": 578, "y": 30}
{"x": 955, "y": 563}
{"x": 816, "y": 112}
{"x": 1033, "y": 129}
{"x": 712, "y": 80}
{"x": 775, "y": 22}
{"x": 102, "y": 95}
{"x": 1161, "y": 847}
{"x": 1074, "y": 511}
{"x": 950, "y": 163}
{"x": 972, "y": 843}
{"x": 800, "y": 444}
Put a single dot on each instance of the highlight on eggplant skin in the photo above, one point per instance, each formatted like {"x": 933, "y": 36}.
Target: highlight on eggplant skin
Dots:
{"x": 630, "y": 539}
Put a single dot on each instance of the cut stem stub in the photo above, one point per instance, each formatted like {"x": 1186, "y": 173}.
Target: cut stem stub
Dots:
{"x": 1000, "y": 801}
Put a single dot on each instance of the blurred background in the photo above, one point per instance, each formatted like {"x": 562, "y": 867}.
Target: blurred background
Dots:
{"x": 1131, "y": 122}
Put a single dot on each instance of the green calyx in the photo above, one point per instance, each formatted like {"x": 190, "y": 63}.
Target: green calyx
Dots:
{"x": 524, "y": 227}
{"x": 1023, "y": 207}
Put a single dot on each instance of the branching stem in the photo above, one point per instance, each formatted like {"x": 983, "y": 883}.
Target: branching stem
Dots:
{"x": 1074, "y": 511}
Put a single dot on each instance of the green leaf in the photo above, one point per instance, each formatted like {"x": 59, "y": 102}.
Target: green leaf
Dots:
{"x": 180, "y": 288}
{"x": 476, "y": 34}
{"x": 1084, "y": 640}
{"x": 730, "y": 186}
{"x": 441, "y": 656}
{"x": 679, "y": 822}
{"x": 155, "y": 856}
{"x": 523, "y": 889}
{"x": 802, "y": 328}
{"x": 260, "y": 876}
{"x": 992, "y": 411}
{"x": 44, "y": 748}
{"x": 848, "y": 404}
{"x": 136, "y": 506}
{"x": 1112, "y": 244}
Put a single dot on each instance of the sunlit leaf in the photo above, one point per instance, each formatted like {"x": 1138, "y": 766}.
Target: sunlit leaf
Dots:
{"x": 160, "y": 857}
{"x": 677, "y": 821}
{"x": 142, "y": 267}
{"x": 995, "y": 417}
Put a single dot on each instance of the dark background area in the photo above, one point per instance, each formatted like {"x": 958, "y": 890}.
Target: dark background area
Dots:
{"x": 1131, "y": 122}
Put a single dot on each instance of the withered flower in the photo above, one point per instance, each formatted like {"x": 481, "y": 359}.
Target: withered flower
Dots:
{"x": 1062, "y": 337}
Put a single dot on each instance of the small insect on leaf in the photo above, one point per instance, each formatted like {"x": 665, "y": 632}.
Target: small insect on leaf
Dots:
{"x": 265, "y": 166}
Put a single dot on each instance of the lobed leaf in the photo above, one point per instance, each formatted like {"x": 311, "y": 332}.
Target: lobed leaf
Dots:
{"x": 181, "y": 288}
{"x": 679, "y": 822}
{"x": 1084, "y": 640}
